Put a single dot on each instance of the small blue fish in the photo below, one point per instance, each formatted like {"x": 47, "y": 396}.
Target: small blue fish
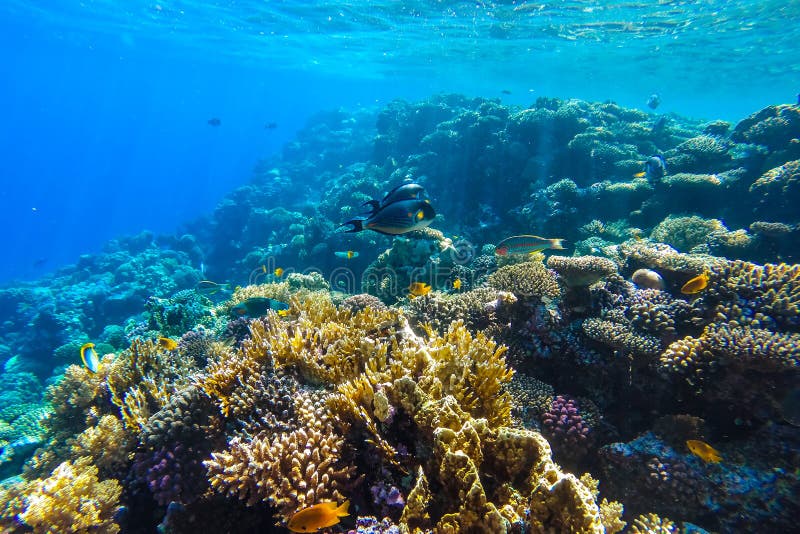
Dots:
{"x": 90, "y": 358}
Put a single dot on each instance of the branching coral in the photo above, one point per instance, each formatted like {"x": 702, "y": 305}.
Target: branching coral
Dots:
{"x": 291, "y": 471}
{"x": 653, "y": 524}
{"x": 478, "y": 308}
{"x": 72, "y": 499}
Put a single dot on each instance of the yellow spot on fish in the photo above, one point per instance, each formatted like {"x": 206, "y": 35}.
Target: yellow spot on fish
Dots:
{"x": 419, "y": 289}
{"x": 457, "y": 284}
{"x": 704, "y": 451}
{"x": 278, "y": 272}
{"x": 322, "y": 515}
{"x": 420, "y": 215}
{"x": 283, "y": 313}
{"x": 89, "y": 356}
{"x": 696, "y": 284}
{"x": 167, "y": 343}
{"x": 639, "y": 174}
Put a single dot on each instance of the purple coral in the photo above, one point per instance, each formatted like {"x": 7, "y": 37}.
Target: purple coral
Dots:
{"x": 371, "y": 525}
{"x": 172, "y": 474}
{"x": 566, "y": 428}
{"x": 388, "y": 497}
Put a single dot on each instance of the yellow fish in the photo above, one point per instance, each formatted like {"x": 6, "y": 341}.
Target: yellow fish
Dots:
{"x": 322, "y": 515}
{"x": 167, "y": 343}
{"x": 278, "y": 272}
{"x": 457, "y": 284}
{"x": 704, "y": 451}
{"x": 696, "y": 284}
{"x": 640, "y": 174}
{"x": 283, "y": 313}
{"x": 90, "y": 358}
{"x": 419, "y": 289}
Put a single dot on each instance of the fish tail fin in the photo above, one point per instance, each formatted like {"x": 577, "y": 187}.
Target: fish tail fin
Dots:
{"x": 373, "y": 204}
{"x": 557, "y": 244}
{"x": 357, "y": 225}
{"x": 341, "y": 511}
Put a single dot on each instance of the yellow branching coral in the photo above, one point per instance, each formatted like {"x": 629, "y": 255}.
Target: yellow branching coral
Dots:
{"x": 107, "y": 443}
{"x": 326, "y": 344}
{"x": 526, "y": 280}
{"x": 292, "y": 471}
{"x": 653, "y": 524}
{"x": 72, "y": 499}
{"x": 474, "y": 371}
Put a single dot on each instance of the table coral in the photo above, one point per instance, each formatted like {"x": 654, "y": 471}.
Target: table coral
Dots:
{"x": 580, "y": 271}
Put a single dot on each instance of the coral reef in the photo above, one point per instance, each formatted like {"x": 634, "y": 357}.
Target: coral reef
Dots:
{"x": 446, "y": 412}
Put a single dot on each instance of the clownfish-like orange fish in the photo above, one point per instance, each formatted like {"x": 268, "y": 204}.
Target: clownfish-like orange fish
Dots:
{"x": 321, "y": 515}
{"x": 696, "y": 284}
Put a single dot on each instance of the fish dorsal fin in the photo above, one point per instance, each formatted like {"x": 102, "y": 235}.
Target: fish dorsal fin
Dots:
{"x": 341, "y": 511}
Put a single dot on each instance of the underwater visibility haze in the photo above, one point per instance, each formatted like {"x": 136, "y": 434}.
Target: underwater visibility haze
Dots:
{"x": 384, "y": 267}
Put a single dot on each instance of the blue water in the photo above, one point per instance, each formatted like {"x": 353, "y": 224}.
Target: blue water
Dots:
{"x": 106, "y": 103}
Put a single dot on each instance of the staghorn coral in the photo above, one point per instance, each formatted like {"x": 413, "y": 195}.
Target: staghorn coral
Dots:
{"x": 526, "y": 280}
{"x": 72, "y": 499}
{"x": 581, "y": 271}
{"x": 292, "y": 471}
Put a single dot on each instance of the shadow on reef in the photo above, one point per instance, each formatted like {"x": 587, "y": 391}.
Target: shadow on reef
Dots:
{"x": 517, "y": 394}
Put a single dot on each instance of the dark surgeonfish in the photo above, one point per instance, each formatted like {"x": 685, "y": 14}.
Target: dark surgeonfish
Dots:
{"x": 214, "y": 122}
{"x": 257, "y": 306}
{"x": 396, "y": 218}
{"x": 653, "y": 101}
{"x": 655, "y": 168}
{"x": 401, "y": 192}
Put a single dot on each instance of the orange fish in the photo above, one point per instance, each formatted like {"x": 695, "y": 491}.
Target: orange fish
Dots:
{"x": 419, "y": 289}
{"x": 696, "y": 284}
{"x": 313, "y": 518}
{"x": 167, "y": 343}
{"x": 704, "y": 451}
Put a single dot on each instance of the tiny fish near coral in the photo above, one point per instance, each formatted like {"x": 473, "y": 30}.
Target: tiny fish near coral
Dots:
{"x": 321, "y": 515}
{"x": 349, "y": 254}
{"x": 704, "y": 451}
